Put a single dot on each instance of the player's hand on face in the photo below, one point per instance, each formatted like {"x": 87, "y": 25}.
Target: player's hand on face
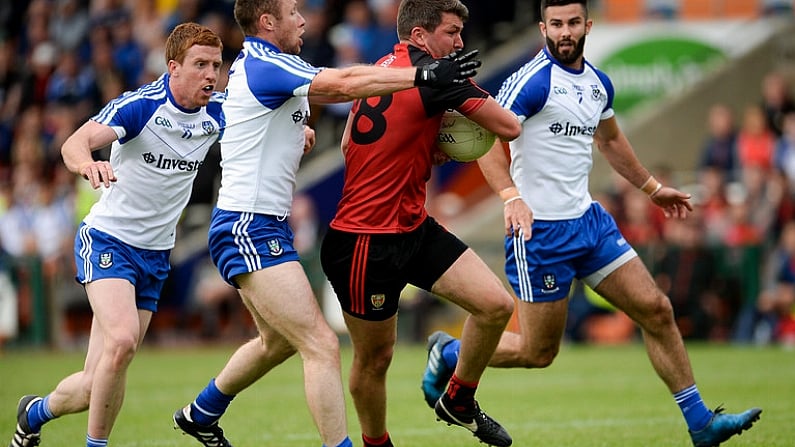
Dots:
{"x": 98, "y": 173}
{"x": 309, "y": 139}
{"x": 453, "y": 69}
{"x": 518, "y": 217}
{"x": 674, "y": 203}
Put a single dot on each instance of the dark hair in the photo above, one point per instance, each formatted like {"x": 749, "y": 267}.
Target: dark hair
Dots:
{"x": 248, "y": 12}
{"x": 547, "y": 3}
{"x": 426, "y": 14}
{"x": 186, "y": 35}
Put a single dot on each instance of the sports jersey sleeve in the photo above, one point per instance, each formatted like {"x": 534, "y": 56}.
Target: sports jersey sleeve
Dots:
{"x": 526, "y": 91}
{"x": 128, "y": 114}
{"x": 215, "y": 110}
{"x": 279, "y": 78}
{"x": 607, "y": 112}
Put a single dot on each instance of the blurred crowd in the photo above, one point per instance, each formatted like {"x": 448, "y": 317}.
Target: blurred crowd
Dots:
{"x": 729, "y": 269}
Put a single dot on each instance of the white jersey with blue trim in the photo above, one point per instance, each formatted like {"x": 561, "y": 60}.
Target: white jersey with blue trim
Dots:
{"x": 266, "y": 109}
{"x": 559, "y": 109}
{"x": 160, "y": 148}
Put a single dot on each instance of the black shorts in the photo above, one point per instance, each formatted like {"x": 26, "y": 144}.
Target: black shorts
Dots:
{"x": 368, "y": 271}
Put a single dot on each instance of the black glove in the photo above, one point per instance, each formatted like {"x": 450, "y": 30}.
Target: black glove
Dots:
{"x": 449, "y": 70}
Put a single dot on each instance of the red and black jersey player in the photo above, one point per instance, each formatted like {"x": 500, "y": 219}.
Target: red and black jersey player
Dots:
{"x": 382, "y": 237}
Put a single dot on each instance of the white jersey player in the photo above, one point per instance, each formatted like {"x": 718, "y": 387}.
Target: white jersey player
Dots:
{"x": 555, "y": 232}
{"x": 159, "y": 149}
{"x": 160, "y": 134}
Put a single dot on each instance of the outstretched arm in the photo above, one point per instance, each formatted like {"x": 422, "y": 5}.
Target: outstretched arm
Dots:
{"x": 361, "y": 81}
{"x": 619, "y": 153}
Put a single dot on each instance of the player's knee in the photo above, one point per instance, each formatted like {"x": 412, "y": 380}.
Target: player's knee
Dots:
{"x": 374, "y": 363}
{"x": 121, "y": 350}
{"x": 540, "y": 358}
{"x": 499, "y": 310}
{"x": 277, "y": 349}
{"x": 659, "y": 313}
{"x": 323, "y": 344}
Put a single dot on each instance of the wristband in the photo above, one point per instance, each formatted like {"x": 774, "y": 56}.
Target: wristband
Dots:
{"x": 650, "y": 186}
{"x": 512, "y": 199}
{"x": 508, "y": 193}
{"x": 656, "y": 189}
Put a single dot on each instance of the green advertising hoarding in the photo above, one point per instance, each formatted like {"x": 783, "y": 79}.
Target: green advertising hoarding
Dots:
{"x": 654, "y": 68}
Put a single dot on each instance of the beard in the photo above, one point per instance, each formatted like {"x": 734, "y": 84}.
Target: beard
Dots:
{"x": 570, "y": 57}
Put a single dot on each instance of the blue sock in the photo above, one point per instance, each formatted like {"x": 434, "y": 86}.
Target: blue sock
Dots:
{"x": 697, "y": 415}
{"x": 94, "y": 442}
{"x": 39, "y": 414}
{"x": 450, "y": 353}
{"x": 345, "y": 443}
{"x": 210, "y": 405}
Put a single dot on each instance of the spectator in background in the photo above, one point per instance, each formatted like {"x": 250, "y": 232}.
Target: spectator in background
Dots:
{"x": 128, "y": 54}
{"x": 636, "y": 223}
{"x": 110, "y": 82}
{"x": 711, "y": 199}
{"x": 784, "y": 154}
{"x": 763, "y": 193}
{"x": 17, "y": 224}
{"x": 719, "y": 148}
{"x": 687, "y": 274}
{"x": 662, "y": 9}
{"x": 185, "y": 11}
{"x": 755, "y": 140}
{"x": 359, "y": 25}
{"x": 384, "y": 35}
{"x": 317, "y": 49}
{"x": 38, "y": 72}
{"x": 69, "y": 24}
{"x": 775, "y": 314}
{"x": 73, "y": 84}
{"x": 741, "y": 229}
{"x": 775, "y": 7}
{"x": 36, "y": 27}
{"x": 10, "y": 97}
{"x": 777, "y": 100}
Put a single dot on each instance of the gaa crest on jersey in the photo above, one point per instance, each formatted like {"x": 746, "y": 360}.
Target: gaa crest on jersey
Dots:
{"x": 274, "y": 247}
{"x": 596, "y": 93}
{"x": 105, "y": 260}
{"x": 208, "y": 127}
{"x": 377, "y": 300}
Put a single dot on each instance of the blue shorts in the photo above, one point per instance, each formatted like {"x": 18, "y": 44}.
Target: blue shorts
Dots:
{"x": 99, "y": 255}
{"x": 587, "y": 248}
{"x": 247, "y": 242}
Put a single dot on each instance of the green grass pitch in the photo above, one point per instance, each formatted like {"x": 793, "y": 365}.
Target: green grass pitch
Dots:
{"x": 591, "y": 396}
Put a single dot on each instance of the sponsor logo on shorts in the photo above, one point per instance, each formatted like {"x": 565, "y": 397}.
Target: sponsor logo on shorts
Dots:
{"x": 377, "y": 300}
{"x": 621, "y": 242}
{"x": 105, "y": 260}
